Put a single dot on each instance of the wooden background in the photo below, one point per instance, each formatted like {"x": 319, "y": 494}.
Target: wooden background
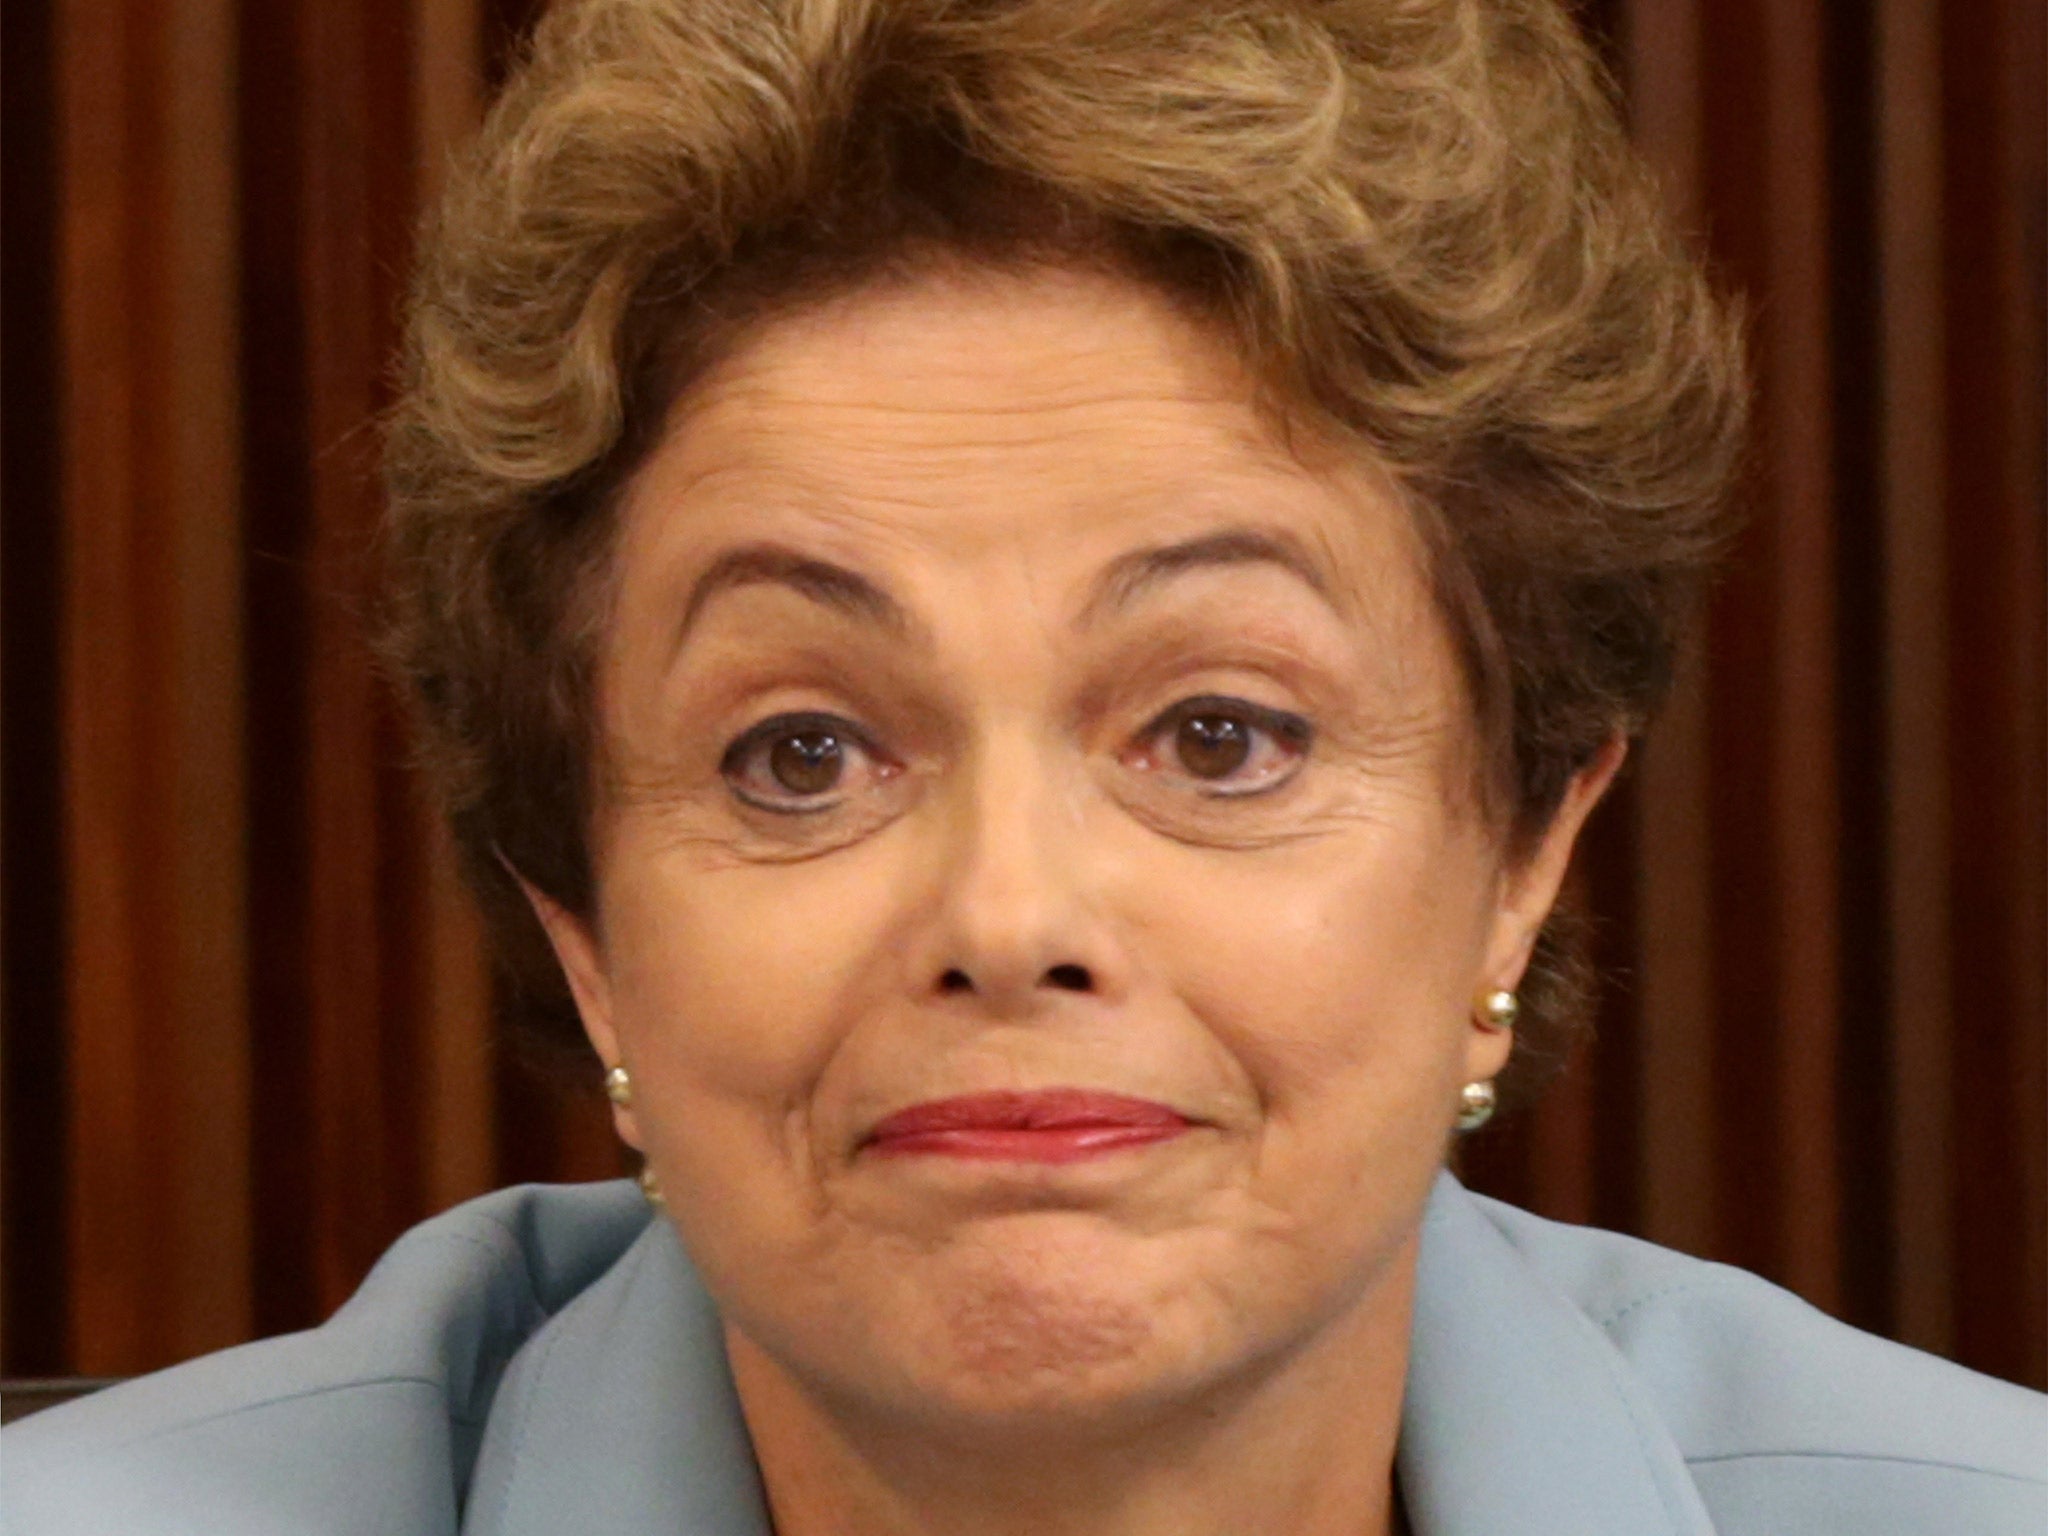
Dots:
{"x": 245, "y": 1037}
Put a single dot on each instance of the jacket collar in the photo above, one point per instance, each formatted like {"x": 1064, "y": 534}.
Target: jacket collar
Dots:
{"x": 618, "y": 1417}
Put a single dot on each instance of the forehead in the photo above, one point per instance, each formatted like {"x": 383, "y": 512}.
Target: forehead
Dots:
{"x": 1070, "y": 412}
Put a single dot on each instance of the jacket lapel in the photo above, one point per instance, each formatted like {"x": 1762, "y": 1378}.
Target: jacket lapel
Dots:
{"x": 1520, "y": 1415}
{"x": 618, "y": 1418}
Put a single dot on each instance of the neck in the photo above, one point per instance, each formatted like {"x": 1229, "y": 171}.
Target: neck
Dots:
{"x": 1305, "y": 1447}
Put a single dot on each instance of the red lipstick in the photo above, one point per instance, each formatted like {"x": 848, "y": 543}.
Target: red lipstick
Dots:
{"x": 1059, "y": 1125}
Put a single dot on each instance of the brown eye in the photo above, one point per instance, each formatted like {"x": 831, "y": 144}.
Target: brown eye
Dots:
{"x": 1230, "y": 748}
{"x": 807, "y": 762}
{"x": 803, "y": 763}
{"x": 1212, "y": 746}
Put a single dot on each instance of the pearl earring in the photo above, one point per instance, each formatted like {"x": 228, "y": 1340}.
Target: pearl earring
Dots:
{"x": 618, "y": 1086}
{"x": 1476, "y": 1102}
{"x": 1498, "y": 1010}
{"x": 650, "y": 1186}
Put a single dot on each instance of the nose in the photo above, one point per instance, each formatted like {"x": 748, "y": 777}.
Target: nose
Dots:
{"x": 1018, "y": 918}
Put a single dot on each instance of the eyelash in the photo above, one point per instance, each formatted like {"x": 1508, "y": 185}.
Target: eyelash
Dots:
{"x": 1289, "y": 732}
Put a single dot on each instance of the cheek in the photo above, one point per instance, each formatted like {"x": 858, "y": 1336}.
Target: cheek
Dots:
{"x": 734, "y": 984}
{"x": 1338, "y": 974}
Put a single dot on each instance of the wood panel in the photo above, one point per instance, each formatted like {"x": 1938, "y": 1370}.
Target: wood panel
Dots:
{"x": 1916, "y": 666}
{"x": 1673, "y": 1021}
{"x": 1994, "y": 196}
{"x": 149, "y": 660}
{"x": 247, "y": 1033}
{"x": 33, "y": 1167}
{"x": 354, "y": 214}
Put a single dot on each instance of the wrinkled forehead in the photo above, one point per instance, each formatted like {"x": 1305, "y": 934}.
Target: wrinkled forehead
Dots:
{"x": 969, "y": 409}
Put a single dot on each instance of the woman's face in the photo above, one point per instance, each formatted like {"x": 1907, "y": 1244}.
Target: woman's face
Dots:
{"x": 995, "y": 707}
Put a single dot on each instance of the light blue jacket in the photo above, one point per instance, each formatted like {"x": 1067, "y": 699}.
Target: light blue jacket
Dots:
{"x": 543, "y": 1362}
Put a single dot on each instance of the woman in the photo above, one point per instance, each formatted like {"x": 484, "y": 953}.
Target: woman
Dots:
{"x": 1025, "y": 600}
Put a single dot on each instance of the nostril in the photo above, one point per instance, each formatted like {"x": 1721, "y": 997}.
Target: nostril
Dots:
{"x": 955, "y": 981}
{"x": 1071, "y": 978}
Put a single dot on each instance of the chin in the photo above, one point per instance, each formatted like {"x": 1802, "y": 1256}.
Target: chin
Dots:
{"x": 1057, "y": 1333}
{"x": 1007, "y": 1392}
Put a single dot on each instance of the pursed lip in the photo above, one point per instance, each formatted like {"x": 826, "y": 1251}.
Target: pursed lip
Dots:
{"x": 1053, "y": 1125}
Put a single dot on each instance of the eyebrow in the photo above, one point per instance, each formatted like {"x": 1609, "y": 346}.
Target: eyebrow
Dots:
{"x": 832, "y": 586}
{"x": 1124, "y": 581}
{"x": 1134, "y": 575}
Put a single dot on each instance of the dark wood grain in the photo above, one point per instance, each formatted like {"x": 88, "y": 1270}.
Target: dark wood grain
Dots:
{"x": 1995, "y": 192}
{"x": 34, "y": 1107}
{"x": 150, "y": 684}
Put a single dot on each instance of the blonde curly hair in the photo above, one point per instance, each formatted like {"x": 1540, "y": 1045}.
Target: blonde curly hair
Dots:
{"x": 1419, "y": 221}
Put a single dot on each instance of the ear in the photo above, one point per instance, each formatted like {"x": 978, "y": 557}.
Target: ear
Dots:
{"x": 582, "y": 960}
{"x": 1528, "y": 891}
{"x": 1529, "y": 888}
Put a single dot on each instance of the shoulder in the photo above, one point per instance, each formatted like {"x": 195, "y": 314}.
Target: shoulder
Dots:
{"x": 1788, "y": 1419}
{"x": 367, "y": 1423}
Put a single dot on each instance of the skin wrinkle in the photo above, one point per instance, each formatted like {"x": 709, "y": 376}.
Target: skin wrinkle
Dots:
{"x": 1203, "y": 1336}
